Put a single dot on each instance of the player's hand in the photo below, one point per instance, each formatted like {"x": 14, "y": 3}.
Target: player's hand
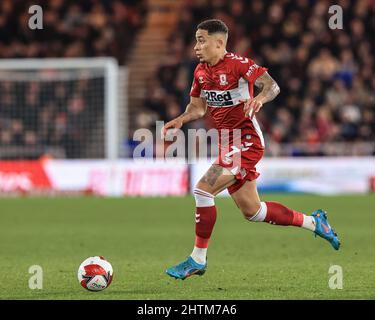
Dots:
{"x": 174, "y": 124}
{"x": 252, "y": 106}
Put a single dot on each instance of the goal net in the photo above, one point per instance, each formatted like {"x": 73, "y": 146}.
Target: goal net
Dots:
{"x": 62, "y": 108}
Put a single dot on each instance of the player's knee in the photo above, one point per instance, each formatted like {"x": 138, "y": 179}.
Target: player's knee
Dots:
{"x": 203, "y": 198}
{"x": 203, "y": 186}
{"x": 249, "y": 212}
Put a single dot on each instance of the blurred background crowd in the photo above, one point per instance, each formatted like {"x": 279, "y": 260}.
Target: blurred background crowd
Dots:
{"x": 54, "y": 113}
{"x": 326, "y": 76}
{"x": 51, "y": 113}
{"x": 71, "y": 28}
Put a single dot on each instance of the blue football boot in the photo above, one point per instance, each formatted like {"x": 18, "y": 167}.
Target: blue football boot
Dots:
{"x": 186, "y": 269}
{"x": 323, "y": 228}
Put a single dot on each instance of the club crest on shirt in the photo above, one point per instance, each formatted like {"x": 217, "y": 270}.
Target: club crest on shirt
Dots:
{"x": 200, "y": 79}
{"x": 223, "y": 79}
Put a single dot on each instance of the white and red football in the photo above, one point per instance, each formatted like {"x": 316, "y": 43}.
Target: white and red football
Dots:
{"x": 95, "y": 273}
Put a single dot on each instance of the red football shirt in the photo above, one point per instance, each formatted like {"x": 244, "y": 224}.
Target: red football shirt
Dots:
{"x": 223, "y": 86}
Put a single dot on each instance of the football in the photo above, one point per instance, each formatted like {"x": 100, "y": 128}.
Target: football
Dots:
{"x": 95, "y": 273}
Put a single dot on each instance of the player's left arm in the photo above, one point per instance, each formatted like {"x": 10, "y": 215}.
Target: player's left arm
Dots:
{"x": 269, "y": 90}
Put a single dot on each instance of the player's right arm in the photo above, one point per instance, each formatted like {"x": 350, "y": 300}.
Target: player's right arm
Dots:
{"x": 194, "y": 110}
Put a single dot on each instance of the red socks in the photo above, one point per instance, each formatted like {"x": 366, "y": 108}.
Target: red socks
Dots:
{"x": 283, "y": 216}
{"x": 205, "y": 217}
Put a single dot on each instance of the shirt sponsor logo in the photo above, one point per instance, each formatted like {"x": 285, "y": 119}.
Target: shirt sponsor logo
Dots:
{"x": 218, "y": 98}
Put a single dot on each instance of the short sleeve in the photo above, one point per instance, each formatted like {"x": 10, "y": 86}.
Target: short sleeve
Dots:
{"x": 250, "y": 71}
{"x": 196, "y": 89}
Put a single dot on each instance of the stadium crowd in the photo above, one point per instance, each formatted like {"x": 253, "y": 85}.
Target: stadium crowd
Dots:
{"x": 327, "y": 87}
{"x": 84, "y": 28}
{"x": 51, "y": 113}
{"x": 326, "y": 76}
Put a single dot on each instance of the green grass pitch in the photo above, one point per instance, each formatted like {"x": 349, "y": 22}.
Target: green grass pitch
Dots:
{"x": 143, "y": 236}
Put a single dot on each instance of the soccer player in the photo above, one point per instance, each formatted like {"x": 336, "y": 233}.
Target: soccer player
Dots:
{"x": 223, "y": 84}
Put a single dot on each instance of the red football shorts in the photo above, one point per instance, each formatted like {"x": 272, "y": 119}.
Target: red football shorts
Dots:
{"x": 241, "y": 159}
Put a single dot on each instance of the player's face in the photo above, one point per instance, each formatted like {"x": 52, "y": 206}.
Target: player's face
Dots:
{"x": 206, "y": 47}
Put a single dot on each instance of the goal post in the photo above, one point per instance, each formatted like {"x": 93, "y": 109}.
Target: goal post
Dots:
{"x": 92, "y": 90}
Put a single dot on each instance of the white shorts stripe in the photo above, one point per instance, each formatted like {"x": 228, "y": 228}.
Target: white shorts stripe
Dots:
{"x": 258, "y": 131}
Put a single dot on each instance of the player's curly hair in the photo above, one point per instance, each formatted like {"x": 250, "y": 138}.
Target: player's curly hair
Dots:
{"x": 213, "y": 26}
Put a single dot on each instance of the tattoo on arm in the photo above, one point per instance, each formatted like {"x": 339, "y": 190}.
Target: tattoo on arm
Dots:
{"x": 268, "y": 86}
{"x": 212, "y": 175}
